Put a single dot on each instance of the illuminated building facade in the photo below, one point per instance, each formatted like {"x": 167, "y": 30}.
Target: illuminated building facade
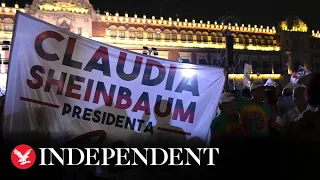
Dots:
{"x": 272, "y": 51}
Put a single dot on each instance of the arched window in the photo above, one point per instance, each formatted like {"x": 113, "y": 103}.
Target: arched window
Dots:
{"x": 213, "y": 37}
{"x": 150, "y": 33}
{"x": 113, "y": 31}
{"x": 219, "y": 38}
{"x": 122, "y": 32}
{"x": 271, "y": 40}
{"x": 254, "y": 40}
{"x": 174, "y": 35}
{"x": 259, "y": 40}
{"x": 241, "y": 39}
{"x": 158, "y": 34}
{"x": 205, "y": 37}
{"x": 190, "y": 36}
{"x": 265, "y": 40}
{"x": 246, "y": 40}
{"x": 183, "y": 36}
{"x": 140, "y": 33}
{"x": 198, "y": 36}
{"x": 167, "y": 35}
{"x": 132, "y": 32}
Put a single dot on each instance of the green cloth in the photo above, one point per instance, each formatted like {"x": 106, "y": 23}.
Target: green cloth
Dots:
{"x": 255, "y": 118}
{"x": 221, "y": 126}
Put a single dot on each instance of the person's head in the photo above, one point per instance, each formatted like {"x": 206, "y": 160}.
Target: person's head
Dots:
{"x": 298, "y": 96}
{"x": 287, "y": 92}
{"x": 227, "y": 103}
{"x": 245, "y": 93}
{"x": 271, "y": 97}
{"x": 258, "y": 91}
{"x": 313, "y": 89}
{"x": 271, "y": 88}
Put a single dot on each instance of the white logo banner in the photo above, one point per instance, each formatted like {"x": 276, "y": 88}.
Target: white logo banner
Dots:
{"x": 68, "y": 87}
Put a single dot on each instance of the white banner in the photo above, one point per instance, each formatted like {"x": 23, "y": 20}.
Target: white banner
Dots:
{"x": 246, "y": 74}
{"x": 64, "y": 85}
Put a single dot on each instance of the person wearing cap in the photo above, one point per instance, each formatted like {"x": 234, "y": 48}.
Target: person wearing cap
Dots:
{"x": 255, "y": 114}
{"x": 257, "y": 117}
{"x": 227, "y": 123}
{"x": 227, "y": 132}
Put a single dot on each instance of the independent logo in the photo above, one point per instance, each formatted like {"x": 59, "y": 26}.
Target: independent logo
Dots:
{"x": 23, "y": 156}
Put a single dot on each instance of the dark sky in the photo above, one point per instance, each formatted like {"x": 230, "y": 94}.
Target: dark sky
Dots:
{"x": 260, "y": 12}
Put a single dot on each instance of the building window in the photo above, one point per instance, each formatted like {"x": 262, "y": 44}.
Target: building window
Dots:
{"x": 190, "y": 37}
{"x": 198, "y": 38}
{"x": 158, "y": 35}
{"x": 255, "y": 67}
{"x": 276, "y": 67}
{"x": 259, "y": 41}
{"x": 167, "y": 36}
{"x": 241, "y": 40}
{"x": 113, "y": 33}
{"x": 8, "y": 26}
{"x": 183, "y": 37}
{"x": 265, "y": 68}
{"x": 174, "y": 36}
{"x": 122, "y": 34}
{"x": 150, "y": 35}
{"x": 213, "y": 38}
{"x": 246, "y": 40}
{"x": 254, "y": 41}
{"x": 219, "y": 39}
{"x": 79, "y": 30}
{"x": 132, "y": 34}
{"x": 205, "y": 38}
{"x": 140, "y": 35}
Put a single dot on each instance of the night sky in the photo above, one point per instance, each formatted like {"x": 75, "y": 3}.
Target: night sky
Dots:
{"x": 259, "y": 12}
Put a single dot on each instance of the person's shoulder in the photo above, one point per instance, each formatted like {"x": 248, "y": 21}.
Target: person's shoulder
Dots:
{"x": 243, "y": 101}
{"x": 217, "y": 120}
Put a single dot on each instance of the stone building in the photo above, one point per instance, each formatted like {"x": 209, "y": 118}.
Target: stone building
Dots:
{"x": 272, "y": 51}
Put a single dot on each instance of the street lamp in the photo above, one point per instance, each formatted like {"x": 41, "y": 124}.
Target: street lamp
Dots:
{"x": 149, "y": 52}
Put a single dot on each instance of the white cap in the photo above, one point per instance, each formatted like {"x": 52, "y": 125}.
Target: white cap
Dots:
{"x": 256, "y": 85}
{"x": 226, "y": 97}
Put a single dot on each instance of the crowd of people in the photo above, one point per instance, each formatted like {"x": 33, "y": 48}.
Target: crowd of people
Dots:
{"x": 265, "y": 130}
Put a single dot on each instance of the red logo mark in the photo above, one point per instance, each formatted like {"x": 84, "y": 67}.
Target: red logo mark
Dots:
{"x": 23, "y": 156}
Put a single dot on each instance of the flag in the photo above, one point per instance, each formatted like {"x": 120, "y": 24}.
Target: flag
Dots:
{"x": 270, "y": 82}
{"x": 246, "y": 74}
{"x": 300, "y": 73}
